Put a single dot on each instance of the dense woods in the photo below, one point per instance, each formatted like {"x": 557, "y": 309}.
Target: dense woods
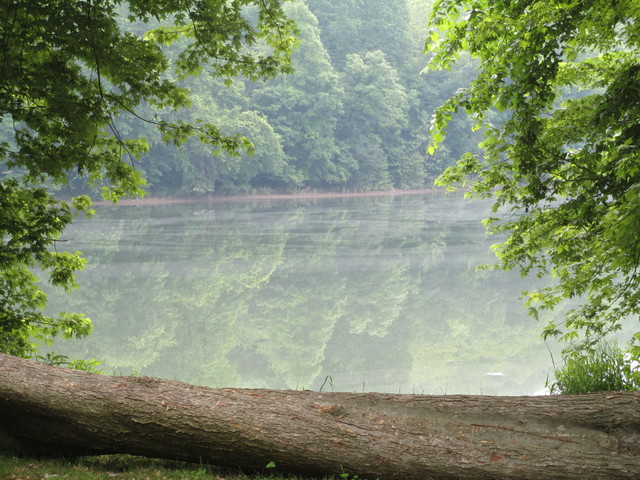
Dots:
{"x": 353, "y": 115}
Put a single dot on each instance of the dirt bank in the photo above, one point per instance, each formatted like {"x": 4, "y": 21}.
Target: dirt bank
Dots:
{"x": 263, "y": 197}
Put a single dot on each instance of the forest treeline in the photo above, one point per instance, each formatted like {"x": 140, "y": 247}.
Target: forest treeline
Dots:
{"x": 353, "y": 116}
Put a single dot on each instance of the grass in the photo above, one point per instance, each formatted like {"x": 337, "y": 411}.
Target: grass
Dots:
{"x": 129, "y": 467}
{"x": 119, "y": 467}
{"x": 604, "y": 368}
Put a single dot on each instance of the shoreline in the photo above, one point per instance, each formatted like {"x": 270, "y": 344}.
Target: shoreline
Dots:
{"x": 261, "y": 197}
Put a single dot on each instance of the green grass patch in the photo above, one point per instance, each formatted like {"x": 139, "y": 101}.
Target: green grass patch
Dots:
{"x": 119, "y": 467}
{"x": 605, "y": 367}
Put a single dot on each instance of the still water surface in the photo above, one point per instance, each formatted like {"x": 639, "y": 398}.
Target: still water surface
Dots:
{"x": 348, "y": 294}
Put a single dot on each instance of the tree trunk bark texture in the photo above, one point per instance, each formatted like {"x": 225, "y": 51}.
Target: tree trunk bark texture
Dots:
{"x": 55, "y": 411}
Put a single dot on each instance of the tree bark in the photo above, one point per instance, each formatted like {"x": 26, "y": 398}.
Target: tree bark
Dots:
{"x": 55, "y": 411}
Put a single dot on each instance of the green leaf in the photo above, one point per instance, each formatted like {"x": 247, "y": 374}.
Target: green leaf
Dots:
{"x": 69, "y": 82}
{"x": 563, "y": 161}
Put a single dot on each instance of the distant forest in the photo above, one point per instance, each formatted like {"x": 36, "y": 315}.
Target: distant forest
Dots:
{"x": 354, "y": 116}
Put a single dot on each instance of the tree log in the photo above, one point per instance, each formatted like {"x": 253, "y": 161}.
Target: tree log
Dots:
{"x": 56, "y": 411}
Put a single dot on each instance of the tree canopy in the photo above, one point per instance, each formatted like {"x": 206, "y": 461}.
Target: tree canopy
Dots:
{"x": 69, "y": 69}
{"x": 563, "y": 168}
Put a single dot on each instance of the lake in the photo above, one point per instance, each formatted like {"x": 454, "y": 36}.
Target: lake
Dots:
{"x": 355, "y": 294}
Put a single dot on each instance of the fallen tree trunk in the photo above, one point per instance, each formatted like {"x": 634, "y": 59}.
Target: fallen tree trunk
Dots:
{"x": 55, "y": 411}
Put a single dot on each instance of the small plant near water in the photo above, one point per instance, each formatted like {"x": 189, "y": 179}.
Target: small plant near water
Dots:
{"x": 57, "y": 360}
{"x": 604, "y": 367}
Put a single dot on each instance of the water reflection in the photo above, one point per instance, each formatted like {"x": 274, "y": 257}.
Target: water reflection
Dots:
{"x": 358, "y": 294}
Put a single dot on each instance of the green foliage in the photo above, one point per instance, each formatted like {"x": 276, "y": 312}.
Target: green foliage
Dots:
{"x": 375, "y": 113}
{"x": 601, "y": 368}
{"x": 304, "y": 108}
{"x": 360, "y": 26}
{"x": 564, "y": 167}
{"x": 31, "y": 223}
{"x": 70, "y": 69}
{"x": 63, "y": 361}
{"x": 320, "y": 127}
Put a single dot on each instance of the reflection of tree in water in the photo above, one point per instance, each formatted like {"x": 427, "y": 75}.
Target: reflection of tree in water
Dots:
{"x": 392, "y": 245}
{"x": 374, "y": 314}
{"x": 290, "y": 320}
{"x": 363, "y": 362}
{"x": 389, "y": 247}
{"x": 171, "y": 309}
{"x": 475, "y": 337}
{"x": 282, "y": 295}
{"x": 117, "y": 292}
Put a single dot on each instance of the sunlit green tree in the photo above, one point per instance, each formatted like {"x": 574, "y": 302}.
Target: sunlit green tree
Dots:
{"x": 564, "y": 168}
{"x": 68, "y": 69}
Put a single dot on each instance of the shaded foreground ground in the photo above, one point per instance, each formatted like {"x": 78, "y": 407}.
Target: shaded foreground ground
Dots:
{"x": 121, "y": 467}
